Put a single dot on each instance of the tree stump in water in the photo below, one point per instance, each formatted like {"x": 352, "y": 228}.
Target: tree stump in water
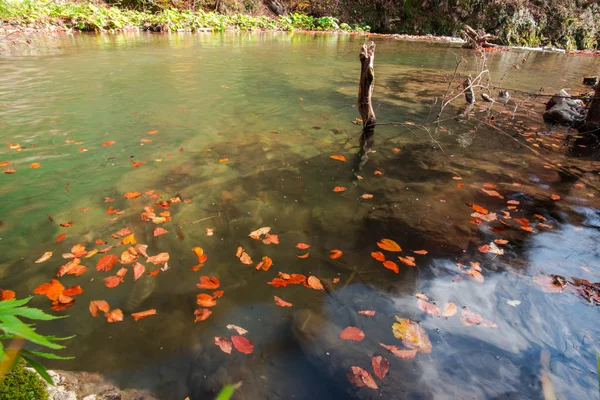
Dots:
{"x": 365, "y": 88}
{"x": 477, "y": 39}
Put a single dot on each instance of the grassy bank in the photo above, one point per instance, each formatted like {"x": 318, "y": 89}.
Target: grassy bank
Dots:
{"x": 96, "y": 17}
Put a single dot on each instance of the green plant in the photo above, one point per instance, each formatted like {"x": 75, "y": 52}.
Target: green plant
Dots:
{"x": 15, "y": 331}
{"x": 22, "y": 384}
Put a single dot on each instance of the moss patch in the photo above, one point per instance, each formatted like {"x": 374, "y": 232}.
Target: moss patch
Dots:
{"x": 22, "y": 384}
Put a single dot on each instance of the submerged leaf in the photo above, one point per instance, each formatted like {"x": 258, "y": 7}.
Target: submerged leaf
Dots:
{"x": 44, "y": 257}
{"x": 469, "y": 318}
{"x": 202, "y": 314}
{"x": 360, "y": 378}
{"x": 412, "y": 334}
{"x": 429, "y": 308}
{"x": 381, "y": 366}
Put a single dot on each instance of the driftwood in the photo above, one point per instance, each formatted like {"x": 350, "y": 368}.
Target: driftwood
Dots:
{"x": 477, "y": 39}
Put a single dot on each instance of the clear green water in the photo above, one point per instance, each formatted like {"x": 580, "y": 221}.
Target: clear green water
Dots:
{"x": 277, "y": 106}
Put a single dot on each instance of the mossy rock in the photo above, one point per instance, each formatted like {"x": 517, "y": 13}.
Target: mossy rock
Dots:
{"x": 22, "y": 384}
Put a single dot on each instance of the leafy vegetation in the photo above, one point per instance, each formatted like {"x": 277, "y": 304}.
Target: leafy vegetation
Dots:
{"x": 22, "y": 384}
{"x": 15, "y": 330}
{"x": 91, "y": 17}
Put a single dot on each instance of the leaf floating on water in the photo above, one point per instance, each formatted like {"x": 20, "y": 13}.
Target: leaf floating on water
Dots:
{"x": 389, "y": 245}
{"x": 265, "y": 263}
{"x": 205, "y": 300}
{"x": 379, "y": 256}
{"x": 501, "y": 241}
{"x": 138, "y": 164}
{"x": 412, "y": 334}
{"x": 158, "y": 231}
{"x": 469, "y": 318}
{"x": 352, "y": 333}
{"x": 381, "y": 366}
{"x": 479, "y": 209}
{"x": 367, "y": 313}
{"x": 408, "y": 260}
{"x": 397, "y": 150}
{"x": 513, "y": 303}
{"x": 7, "y": 294}
{"x": 492, "y": 193}
{"x": 245, "y": 258}
{"x": 152, "y": 132}
{"x": 61, "y": 237}
{"x": 513, "y": 202}
{"x": 449, "y": 309}
{"x": 44, "y": 257}
{"x": 138, "y": 271}
{"x": 391, "y": 266}
{"x": 115, "y": 315}
{"x": 223, "y": 160}
{"x": 484, "y": 248}
{"x": 108, "y": 143}
{"x": 201, "y": 314}
{"x": 224, "y": 344}
{"x": 281, "y": 303}
{"x": 337, "y": 157}
{"x": 302, "y": 246}
{"x": 333, "y": 254}
{"x": 73, "y": 290}
{"x": 339, "y": 189}
{"x": 34, "y": 165}
{"x": 489, "y": 186}
{"x": 420, "y": 252}
{"x": 129, "y": 239}
{"x": 160, "y": 258}
{"x": 367, "y": 196}
{"x": 361, "y": 378}
{"x": 208, "y": 282}
{"x": 67, "y": 224}
{"x": 429, "y": 308}
{"x": 400, "y": 353}
{"x": 555, "y": 197}
{"x": 259, "y": 232}
{"x": 98, "y": 305}
{"x": 209, "y": 231}
{"x": 548, "y": 284}
{"x": 143, "y": 314}
{"x": 132, "y": 195}
{"x": 238, "y": 329}
{"x": 422, "y": 297}
{"x": 314, "y": 283}
{"x": 242, "y": 344}
{"x": 107, "y": 262}
{"x": 271, "y": 239}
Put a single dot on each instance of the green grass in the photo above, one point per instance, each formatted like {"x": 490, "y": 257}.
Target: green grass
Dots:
{"x": 91, "y": 17}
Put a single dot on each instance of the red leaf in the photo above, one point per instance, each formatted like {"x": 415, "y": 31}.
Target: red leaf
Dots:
{"x": 302, "y": 246}
{"x": 381, "y": 366}
{"x": 360, "y": 377}
{"x": 73, "y": 290}
{"x": 400, "y": 353}
{"x": 208, "y": 283}
{"x": 143, "y": 314}
{"x": 352, "y": 333}
{"x": 224, "y": 344}
{"x": 282, "y": 303}
{"x": 138, "y": 271}
{"x": 242, "y": 344}
{"x": 61, "y": 237}
{"x": 7, "y": 294}
{"x": 367, "y": 313}
{"x": 67, "y": 224}
{"x": 484, "y": 248}
{"x": 108, "y": 143}
{"x": 107, "y": 262}
{"x": 333, "y": 254}
{"x": 391, "y": 265}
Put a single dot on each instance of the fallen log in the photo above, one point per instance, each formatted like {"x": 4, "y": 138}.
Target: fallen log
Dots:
{"x": 477, "y": 39}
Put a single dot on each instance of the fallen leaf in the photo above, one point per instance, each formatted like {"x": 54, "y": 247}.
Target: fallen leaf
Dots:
{"x": 513, "y": 202}
{"x": 501, "y": 241}
{"x": 484, "y": 248}
{"x": 412, "y": 334}
{"x": 7, "y": 294}
{"x": 67, "y": 224}
{"x": 158, "y": 259}
{"x": 366, "y": 196}
{"x": 44, "y": 257}
{"x": 158, "y": 231}
{"x": 360, "y": 378}
{"x": 489, "y": 186}
{"x": 381, "y": 366}
{"x": 259, "y": 232}
{"x": 107, "y": 262}
{"x": 73, "y": 267}
{"x": 513, "y": 303}
{"x": 492, "y": 193}
{"x": 10, "y": 171}
{"x": 281, "y": 303}
{"x": 205, "y": 300}
{"x": 389, "y": 245}
{"x": 397, "y": 150}
{"x": 61, "y": 237}
{"x": 333, "y": 254}
{"x": 302, "y": 246}
{"x": 554, "y": 197}
{"x": 223, "y": 160}
{"x": 420, "y": 252}
{"x": 224, "y": 344}
{"x": 208, "y": 283}
{"x": 457, "y": 178}
{"x": 479, "y": 209}
{"x": 548, "y": 284}
{"x": 108, "y": 143}
{"x": 339, "y": 158}
{"x": 245, "y": 259}
{"x": 209, "y": 231}
{"x": 138, "y": 270}
{"x": 242, "y": 344}
{"x": 391, "y": 265}
{"x": 152, "y": 132}
{"x": 138, "y": 164}
{"x": 100, "y": 305}
{"x": 129, "y": 239}
{"x": 469, "y": 318}
{"x": 239, "y": 252}
{"x": 143, "y": 314}
{"x": 314, "y": 283}
{"x": 429, "y": 308}
{"x": 115, "y": 315}
{"x": 400, "y": 353}
{"x": 408, "y": 260}
{"x": 238, "y": 329}
{"x": 201, "y": 314}
{"x": 377, "y": 172}
{"x": 132, "y": 195}
{"x": 488, "y": 324}
{"x": 339, "y": 189}
{"x": 265, "y": 264}
{"x": 449, "y": 309}
{"x": 379, "y": 256}
{"x": 352, "y": 333}
{"x": 367, "y": 313}
{"x": 34, "y": 165}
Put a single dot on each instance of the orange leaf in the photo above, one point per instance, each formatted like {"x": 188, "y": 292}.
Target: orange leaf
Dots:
{"x": 224, "y": 344}
{"x": 202, "y": 314}
{"x": 484, "y": 248}
{"x": 410, "y": 261}
{"x": 10, "y": 171}
{"x": 218, "y": 294}
{"x": 501, "y": 241}
{"x": 152, "y": 132}
{"x": 112, "y": 281}
{"x": 480, "y": 209}
{"x": 339, "y": 158}
{"x": 333, "y": 254}
{"x": 73, "y": 290}
{"x": 367, "y": 196}
{"x": 107, "y": 262}
{"x": 78, "y": 250}
{"x": 391, "y": 265}
{"x": 138, "y": 270}
{"x": 158, "y": 231}
{"x": 208, "y": 283}
{"x": 554, "y": 197}
{"x": 53, "y": 289}
{"x": 205, "y": 300}
{"x": 158, "y": 259}
{"x": 245, "y": 258}
{"x": 128, "y": 258}
{"x": 265, "y": 264}
{"x": 96, "y": 305}
{"x": 67, "y": 224}
{"x": 379, "y": 256}
{"x": 223, "y": 160}
{"x": 420, "y": 252}
{"x": 403, "y": 354}
{"x": 138, "y": 164}
{"x": 352, "y": 333}
{"x": 389, "y": 245}
{"x": 154, "y": 273}
{"x": 360, "y": 378}
{"x": 367, "y": 313}
{"x": 129, "y": 239}
{"x": 61, "y": 237}
{"x": 489, "y": 186}
{"x": 108, "y": 143}
{"x": 282, "y": 303}
{"x": 314, "y": 283}
{"x": 513, "y": 202}
{"x": 242, "y": 344}
{"x": 380, "y": 366}
{"x": 302, "y": 246}
{"x": 271, "y": 239}
{"x": 449, "y": 309}
{"x": 239, "y": 252}
{"x": 259, "y": 232}
{"x": 115, "y": 315}
{"x": 339, "y": 189}
{"x": 7, "y": 294}
{"x": 143, "y": 314}
{"x": 44, "y": 257}
{"x": 492, "y": 193}
{"x": 34, "y": 165}
{"x": 132, "y": 195}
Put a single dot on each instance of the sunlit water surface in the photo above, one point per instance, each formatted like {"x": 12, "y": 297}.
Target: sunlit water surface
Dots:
{"x": 246, "y": 127}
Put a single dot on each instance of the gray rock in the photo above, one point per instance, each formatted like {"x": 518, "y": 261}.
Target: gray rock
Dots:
{"x": 564, "y": 110}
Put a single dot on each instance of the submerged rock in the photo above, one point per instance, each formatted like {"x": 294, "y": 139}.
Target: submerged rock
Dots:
{"x": 562, "y": 109}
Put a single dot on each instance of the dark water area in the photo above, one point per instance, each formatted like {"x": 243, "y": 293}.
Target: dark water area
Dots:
{"x": 246, "y": 127}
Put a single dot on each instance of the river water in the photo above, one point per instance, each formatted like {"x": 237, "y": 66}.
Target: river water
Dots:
{"x": 246, "y": 127}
